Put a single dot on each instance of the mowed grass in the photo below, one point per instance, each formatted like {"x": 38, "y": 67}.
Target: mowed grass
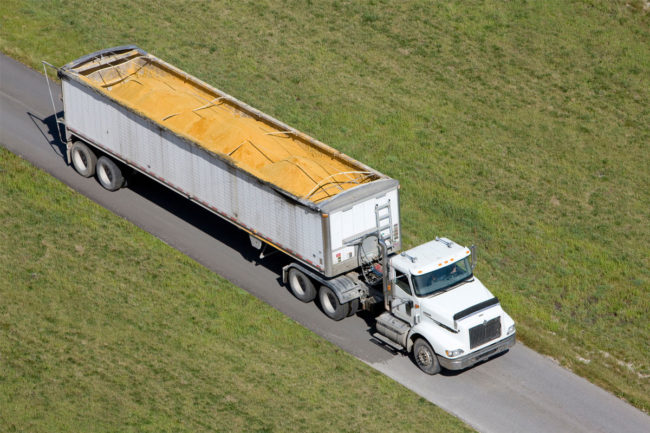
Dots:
{"x": 520, "y": 126}
{"x": 105, "y": 328}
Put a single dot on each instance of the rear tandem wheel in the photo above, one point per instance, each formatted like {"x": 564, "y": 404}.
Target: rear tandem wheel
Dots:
{"x": 109, "y": 174}
{"x": 83, "y": 159}
{"x": 301, "y": 285}
{"x": 330, "y": 304}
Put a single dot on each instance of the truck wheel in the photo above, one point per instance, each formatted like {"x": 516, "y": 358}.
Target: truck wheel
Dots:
{"x": 83, "y": 159}
{"x": 301, "y": 286}
{"x": 330, "y": 304}
{"x": 425, "y": 357}
{"x": 109, "y": 174}
{"x": 354, "y": 307}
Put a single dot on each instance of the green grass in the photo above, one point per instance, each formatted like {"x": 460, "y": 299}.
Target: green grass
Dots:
{"x": 521, "y": 126}
{"x": 105, "y": 328}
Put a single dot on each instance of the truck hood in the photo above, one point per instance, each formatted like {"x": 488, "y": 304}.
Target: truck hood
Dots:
{"x": 442, "y": 308}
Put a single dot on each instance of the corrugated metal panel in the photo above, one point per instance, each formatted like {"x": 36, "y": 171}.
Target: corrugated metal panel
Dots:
{"x": 359, "y": 218}
{"x": 348, "y": 225}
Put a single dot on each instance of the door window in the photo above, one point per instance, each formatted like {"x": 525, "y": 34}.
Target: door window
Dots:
{"x": 402, "y": 282}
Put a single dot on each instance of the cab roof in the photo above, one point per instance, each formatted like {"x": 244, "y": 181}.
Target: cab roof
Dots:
{"x": 430, "y": 256}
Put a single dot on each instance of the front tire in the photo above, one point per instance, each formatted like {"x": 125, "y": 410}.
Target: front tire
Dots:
{"x": 301, "y": 286}
{"x": 109, "y": 174}
{"x": 83, "y": 159}
{"x": 425, "y": 358}
{"x": 330, "y": 304}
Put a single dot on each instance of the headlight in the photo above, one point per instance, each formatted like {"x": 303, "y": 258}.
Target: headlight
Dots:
{"x": 453, "y": 353}
{"x": 511, "y": 329}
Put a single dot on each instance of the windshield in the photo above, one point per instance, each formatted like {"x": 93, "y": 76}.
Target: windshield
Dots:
{"x": 443, "y": 278}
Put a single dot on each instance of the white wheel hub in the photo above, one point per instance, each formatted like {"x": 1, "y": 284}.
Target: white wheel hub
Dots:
{"x": 104, "y": 175}
{"x": 296, "y": 284}
{"x": 327, "y": 303}
{"x": 80, "y": 160}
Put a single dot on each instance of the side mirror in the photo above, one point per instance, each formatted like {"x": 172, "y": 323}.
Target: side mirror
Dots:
{"x": 473, "y": 250}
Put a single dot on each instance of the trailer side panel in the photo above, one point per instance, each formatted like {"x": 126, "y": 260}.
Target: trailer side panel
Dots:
{"x": 194, "y": 172}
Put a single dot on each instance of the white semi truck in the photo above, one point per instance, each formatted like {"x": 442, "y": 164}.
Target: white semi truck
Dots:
{"x": 335, "y": 218}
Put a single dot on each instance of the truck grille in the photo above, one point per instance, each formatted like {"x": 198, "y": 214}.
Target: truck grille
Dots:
{"x": 485, "y": 332}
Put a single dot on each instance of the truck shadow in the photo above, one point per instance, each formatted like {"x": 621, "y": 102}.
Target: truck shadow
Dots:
{"x": 226, "y": 233}
{"x": 52, "y": 132}
{"x": 206, "y": 221}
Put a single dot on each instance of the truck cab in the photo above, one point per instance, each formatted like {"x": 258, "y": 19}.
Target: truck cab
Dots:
{"x": 439, "y": 311}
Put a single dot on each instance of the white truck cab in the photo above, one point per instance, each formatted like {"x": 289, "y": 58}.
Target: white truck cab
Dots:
{"x": 438, "y": 310}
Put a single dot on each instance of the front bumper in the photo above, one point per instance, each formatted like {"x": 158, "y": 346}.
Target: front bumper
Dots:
{"x": 478, "y": 356}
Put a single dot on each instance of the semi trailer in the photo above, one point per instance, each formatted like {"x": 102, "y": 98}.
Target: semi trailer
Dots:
{"x": 336, "y": 219}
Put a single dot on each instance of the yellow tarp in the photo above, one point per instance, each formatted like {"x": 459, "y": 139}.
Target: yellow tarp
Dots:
{"x": 191, "y": 109}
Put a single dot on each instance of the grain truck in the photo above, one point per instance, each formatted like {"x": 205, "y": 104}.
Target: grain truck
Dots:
{"x": 336, "y": 219}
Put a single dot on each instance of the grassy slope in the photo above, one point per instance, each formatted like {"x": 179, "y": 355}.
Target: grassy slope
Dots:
{"x": 105, "y": 328}
{"x": 521, "y": 126}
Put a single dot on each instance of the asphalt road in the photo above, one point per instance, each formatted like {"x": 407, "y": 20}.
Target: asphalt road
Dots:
{"x": 520, "y": 391}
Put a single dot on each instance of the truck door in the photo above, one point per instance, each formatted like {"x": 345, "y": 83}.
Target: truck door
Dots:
{"x": 403, "y": 297}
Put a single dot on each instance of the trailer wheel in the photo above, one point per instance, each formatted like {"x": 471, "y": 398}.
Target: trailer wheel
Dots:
{"x": 425, "y": 358}
{"x": 330, "y": 304}
{"x": 83, "y": 159}
{"x": 301, "y": 286}
{"x": 109, "y": 174}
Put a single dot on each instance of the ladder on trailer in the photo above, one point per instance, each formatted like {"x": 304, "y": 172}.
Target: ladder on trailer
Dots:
{"x": 60, "y": 121}
{"x": 384, "y": 218}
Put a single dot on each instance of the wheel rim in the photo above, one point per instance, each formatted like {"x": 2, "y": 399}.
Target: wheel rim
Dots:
{"x": 297, "y": 283}
{"x": 105, "y": 176}
{"x": 80, "y": 160}
{"x": 328, "y": 302}
{"x": 424, "y": 357}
